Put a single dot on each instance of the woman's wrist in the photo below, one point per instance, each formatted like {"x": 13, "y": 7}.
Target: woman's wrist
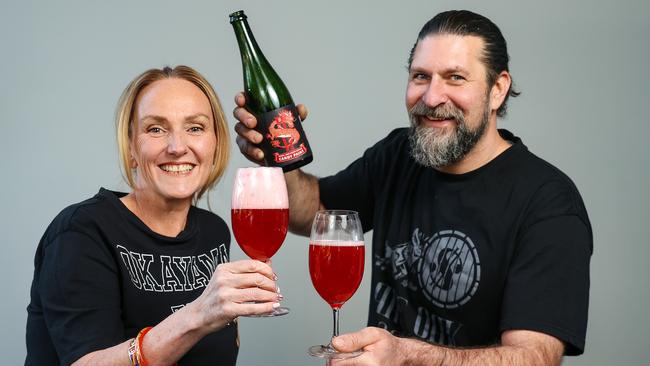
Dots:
{"x": 197, "y": 321}
{"x": 172, "y": 338}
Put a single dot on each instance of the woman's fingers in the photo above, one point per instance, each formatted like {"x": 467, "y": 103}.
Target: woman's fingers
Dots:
{"x": 257, "y": 308}
{"x": 255, "y": 280}
{"x": 253, "y": 266}
{"x": 254, "y": 294}
{"x": 245, "y": 287}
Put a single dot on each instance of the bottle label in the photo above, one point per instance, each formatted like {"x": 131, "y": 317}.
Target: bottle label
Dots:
{"x": 284, "y": 139}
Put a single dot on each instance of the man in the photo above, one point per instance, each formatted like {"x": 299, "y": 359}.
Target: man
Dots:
{"x": 477, "y": 242}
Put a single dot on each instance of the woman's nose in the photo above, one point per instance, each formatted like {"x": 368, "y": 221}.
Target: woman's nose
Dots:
{"x": 176, "y": 144}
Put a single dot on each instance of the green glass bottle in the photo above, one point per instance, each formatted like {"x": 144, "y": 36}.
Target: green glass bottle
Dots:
{"x": 285, "y": 143}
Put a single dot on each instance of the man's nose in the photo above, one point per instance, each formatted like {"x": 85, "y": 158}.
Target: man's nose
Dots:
{"x": 436, "y": 94}
{"x": 176, "y": 144}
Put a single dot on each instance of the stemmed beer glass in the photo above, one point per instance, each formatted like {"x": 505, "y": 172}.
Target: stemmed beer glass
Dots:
{"x": 336, "y": 257}
{"x": 260, "y": 214}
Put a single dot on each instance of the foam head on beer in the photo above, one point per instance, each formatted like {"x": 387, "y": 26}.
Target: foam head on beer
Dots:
{"x": 260, "y": 211}
{"x": 258, "y": 188}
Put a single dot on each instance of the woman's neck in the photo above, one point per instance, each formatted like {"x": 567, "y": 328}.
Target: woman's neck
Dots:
{"x": 164, "y": 217}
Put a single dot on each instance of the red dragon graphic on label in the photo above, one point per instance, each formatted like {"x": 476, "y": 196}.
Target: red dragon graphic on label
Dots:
{"x": 284, "y": 135}
{"x": 282, "y": 131}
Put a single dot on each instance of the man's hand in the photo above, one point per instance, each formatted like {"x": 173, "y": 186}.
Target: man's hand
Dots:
{"x": 379, "y": 348}
{"x": 518, "y": 348}
{"x": 304, "y": 197}
{"x": 247, "y": 137}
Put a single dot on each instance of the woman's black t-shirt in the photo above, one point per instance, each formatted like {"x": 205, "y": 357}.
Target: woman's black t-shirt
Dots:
{"x": 101, "y": 275}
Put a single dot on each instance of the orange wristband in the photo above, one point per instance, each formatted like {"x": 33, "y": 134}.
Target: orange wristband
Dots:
{"x": 142, "y": 361}
{"x": 139, "y": 352}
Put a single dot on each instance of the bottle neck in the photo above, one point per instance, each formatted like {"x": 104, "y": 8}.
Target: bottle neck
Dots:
{"x": 248, "y": 47}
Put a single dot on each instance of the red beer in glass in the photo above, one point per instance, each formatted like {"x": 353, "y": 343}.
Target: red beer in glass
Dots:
{"x": 336, "y": 269}
{"x": 260, "y": 213}
{"x": 336, "y": 257}
{"x": 260, "y": 231}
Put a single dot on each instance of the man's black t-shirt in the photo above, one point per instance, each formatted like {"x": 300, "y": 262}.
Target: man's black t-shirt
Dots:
{"x": 458, "y": 259}
{"x": 101, "y": 275}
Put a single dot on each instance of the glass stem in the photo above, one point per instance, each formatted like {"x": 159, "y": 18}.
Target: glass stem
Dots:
{"x": 335, "y": 332}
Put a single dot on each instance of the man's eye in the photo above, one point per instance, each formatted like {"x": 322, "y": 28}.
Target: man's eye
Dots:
{"x": 420, "y": 76}
{"x": 457, "y": 77}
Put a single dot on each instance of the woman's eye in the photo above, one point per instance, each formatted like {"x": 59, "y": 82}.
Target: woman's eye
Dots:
{"x": 196, "y": 129}
{"x": 154, "y": 130}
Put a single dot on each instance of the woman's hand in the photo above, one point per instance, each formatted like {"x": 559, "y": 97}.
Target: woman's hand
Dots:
{"x": 245, "y": 287}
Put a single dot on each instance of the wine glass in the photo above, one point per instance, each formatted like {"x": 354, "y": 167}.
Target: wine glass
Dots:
{"x": 260, "y": 214}
{"x": 336, "y": 257}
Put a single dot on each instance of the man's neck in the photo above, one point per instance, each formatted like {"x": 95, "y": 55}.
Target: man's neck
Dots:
{"x": 486, "y": 149}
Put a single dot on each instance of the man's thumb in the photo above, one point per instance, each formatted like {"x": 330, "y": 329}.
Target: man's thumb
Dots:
{"x": 345, "y": 343}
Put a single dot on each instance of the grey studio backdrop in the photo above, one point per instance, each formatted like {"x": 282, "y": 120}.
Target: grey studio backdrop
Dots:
{"x": 581, "y": 65}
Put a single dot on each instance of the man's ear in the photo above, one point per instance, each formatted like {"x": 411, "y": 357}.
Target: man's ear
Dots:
{"x": 499, "y": 90}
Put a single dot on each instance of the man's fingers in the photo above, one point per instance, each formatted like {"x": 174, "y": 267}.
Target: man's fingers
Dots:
{"x": 252, "y": 152}
{"x": 247, "y": 137}
{"x": 302, "y": 111}
{"x": 248, "y": 133}
{"x": 358, "y": 340}
{"x": 245, "y": 117}
{"x": 347, "y": 342}
{"x": 356, "y": 361}
{"x": 240, "y": 99}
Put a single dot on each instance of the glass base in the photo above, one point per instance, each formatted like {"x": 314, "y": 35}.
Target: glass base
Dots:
{"x": 276, "y": 312}
{"x": 328, "y": 352}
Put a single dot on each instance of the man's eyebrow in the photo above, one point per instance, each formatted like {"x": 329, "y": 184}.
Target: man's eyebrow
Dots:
{"x": 416, "y": 69}
{"x": 456, "y": 69}
{"x": 447, "y": 70}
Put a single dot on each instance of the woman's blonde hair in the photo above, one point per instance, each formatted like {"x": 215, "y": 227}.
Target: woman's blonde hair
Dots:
{"x": 124, "y": 120}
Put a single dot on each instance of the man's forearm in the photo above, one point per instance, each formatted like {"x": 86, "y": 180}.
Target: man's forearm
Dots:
{"x": 496, "y": 356}
{"x": 425, "y": 354}
{"x": 304, "y": 201}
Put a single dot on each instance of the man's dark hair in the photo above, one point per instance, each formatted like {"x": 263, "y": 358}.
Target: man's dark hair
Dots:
{"x": 465, "y": 23}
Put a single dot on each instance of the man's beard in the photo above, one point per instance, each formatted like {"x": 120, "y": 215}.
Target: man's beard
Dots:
{"x": 433, "y": 147}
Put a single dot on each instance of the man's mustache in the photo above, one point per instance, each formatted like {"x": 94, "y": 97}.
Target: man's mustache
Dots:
{"x": 443, "y": 111}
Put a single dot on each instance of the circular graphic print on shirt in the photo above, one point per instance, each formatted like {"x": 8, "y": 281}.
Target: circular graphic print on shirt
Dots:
{"x": 450, "y": 270}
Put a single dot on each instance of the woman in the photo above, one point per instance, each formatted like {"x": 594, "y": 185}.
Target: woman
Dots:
{"x": 109, "y": 268}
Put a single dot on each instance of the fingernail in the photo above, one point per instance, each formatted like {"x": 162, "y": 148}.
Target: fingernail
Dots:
{"x": 278, "y": 289}
{"x": 275, "y": 277}
{"x": 280, "y": 297}
{"x": 276, "y": 305}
